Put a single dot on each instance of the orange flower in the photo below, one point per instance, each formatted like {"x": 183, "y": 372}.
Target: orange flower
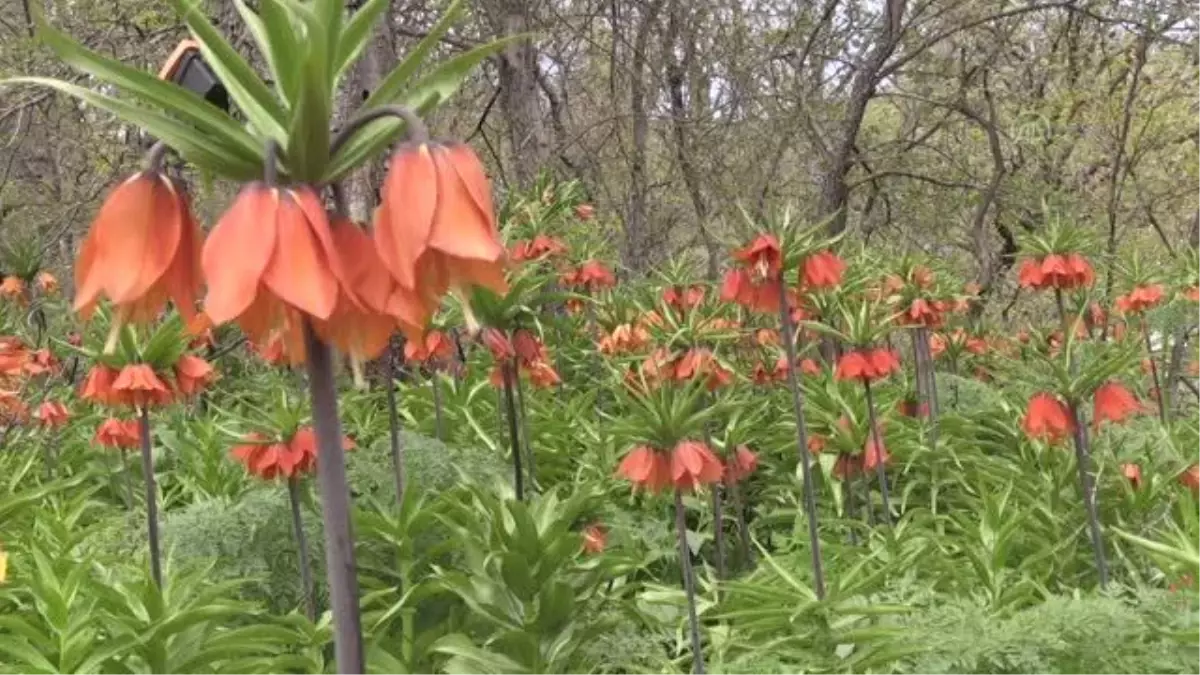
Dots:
{"x": 1140, "y": 299}
{"x": 683, "y": 298}
{"x": 541, "y": 246}
{"x": 13, "y": 288}
{"x": 542, "y": 374}
{"x": 47, "y": 283}
{"x": 369, "y": 303}
{"x": 595, "y": 538}
{"x": 275, "y": 352}
{"x": 693, "y": 465}
{"x": 528, "y": 347}
{"x": 762, "y": 256}
{"x": 1134, "y": 473}
{"x": 12, "y": 408}
{"x": 585, "y": 212}
{"x": 98, "y": 385}
{"x": 435, "y": 347}
{"x": 921, "y": 313}
{"x": 193, "y": 374}
{"x": 741, "y": 465}
{"x": 766, "y": 337}
{"x": 1048, "y": 418}
{"x": 874, "y": 453}
{"x": 823, "y": 269}
{"x": 1114, "y": 403}
{"x": 270, "y": 260}
{"x": 115, "y": 433}
{"x": 922, "y": 277}
{"x": 867, "y": 364}
{"x": 200, "y": 329}
{"x": 139, "y": 386}
{"x": 1191, "y": 293}
{"x": 435, "y": 228}
{"x": 816, "y": 444}
{"x": 142, "y": 249}
{"x": 846, "y": 466}
{"x": 1030, "y": 275}
{"x": 624, "y": 338}
{"x": 290, "y": 459}
{"x": 1190, "y": 478}
{"x": 498, "y": 344}
{"x": 53, "y": 414}
{"x": 739, "y": 287}
{"x": 40, "y": 362}
{"x": 702, "y": 362}
{"x": 646, "y": 468}
{"x": 594, "y": 275}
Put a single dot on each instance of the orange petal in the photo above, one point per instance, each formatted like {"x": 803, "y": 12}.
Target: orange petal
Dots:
{"x": 88, "y": 281}
{"x": 238, "y": 251}
{"x": 138, "y": 240}
{"x": 404, "y": 220}
{"x": 299, "y": 272}
{"x": 461, "y": 229}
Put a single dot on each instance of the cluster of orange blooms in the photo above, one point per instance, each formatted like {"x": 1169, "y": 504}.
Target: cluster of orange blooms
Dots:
{"x": 14, "y": 288}
{"x": 1049, "y": 418}
{"x": 754, "y": 283}
{"x": 276, "y": 258}
{"x": 687, "y": 467}
{"x": 18, "y": 363}
{"x": 523, "y": 348}
{"x": 290, "y": 458}
{"x": 138, "y": 385}
{"x": 1060, "y": 271}
{"x": 664, "y": 366}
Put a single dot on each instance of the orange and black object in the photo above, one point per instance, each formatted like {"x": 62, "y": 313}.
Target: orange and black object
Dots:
{"x": 187, "y": 68}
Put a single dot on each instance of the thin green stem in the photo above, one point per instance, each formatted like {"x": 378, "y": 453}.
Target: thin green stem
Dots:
{"x": 151, "y": 497}
{"x": 880, "y": 470}
{"x": 689, "y": 584}
{"x": 306, "y": 578}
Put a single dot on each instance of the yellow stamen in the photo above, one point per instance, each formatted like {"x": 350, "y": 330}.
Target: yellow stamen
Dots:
{"x": 114, "y": 335}
{"x": 356, "y": 371}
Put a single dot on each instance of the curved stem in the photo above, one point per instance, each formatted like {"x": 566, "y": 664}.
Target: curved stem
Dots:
{"x": 514, "y": 436}
{"x": 417, "y": 131}
{"x": 689, "y": 584}
{"x": 335, "y": 507}
{"x": 151, "y": 497}
{"x": 880, "y": 472}
{"x": 155, "y": 157}
{"x": 306, "y": 579}
{"x": 810, "y": 497}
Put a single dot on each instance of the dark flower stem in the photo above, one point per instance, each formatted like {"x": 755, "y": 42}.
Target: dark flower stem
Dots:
{"x": 810, "y": 498}
{"x": 1088, "y": 487}
{"x": 50, "y": 453}
{"x": 514, "y": 435}
{"x": 151, "y": 497}
{"x": 1158, "y": 388}
{"x": 933, "y": 409}
{"x": 335, "y": 507}
{"x": 439, "y": 424}
{"x": 880, "y": 471}
{"x": 527, "y": 440}
{"x": 920, "y": 367}
{"x": 689, "y": 583}
{"x": 306, "y": 579}
{"x": 739, "y": 508}
{"x": 718, "y": 530}
{"x": 397, "y": 443}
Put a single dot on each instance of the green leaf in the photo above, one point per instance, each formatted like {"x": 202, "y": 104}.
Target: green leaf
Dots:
{"x": 217, "y": 127}
{"x": 307, "y": 147}
{"x": 187, "y": 141}
{"x": 468, "y": 658}
{"x": 28, "y": 659}
{"x": 427, "y": 93}
{"x": 251, "y": 94}
{"x": 393, "y": 83}
{"x": 275, "y": 34}
{"x": 357, "y": 34}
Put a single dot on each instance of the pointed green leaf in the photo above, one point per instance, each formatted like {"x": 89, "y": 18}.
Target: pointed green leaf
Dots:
{"x": 426, "y": 94}
{"x": 357, "y": 34}
{"x": 219, "y": 128}
{"x": 393, "y": 84}
{"x": 275, "y": 34}
{"x": 187, "y": 141}
{"x": 251, "y": 94}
